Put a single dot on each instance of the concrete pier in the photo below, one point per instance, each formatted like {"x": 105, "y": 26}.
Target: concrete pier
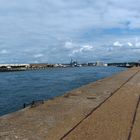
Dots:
{"x": 108, "y": 109}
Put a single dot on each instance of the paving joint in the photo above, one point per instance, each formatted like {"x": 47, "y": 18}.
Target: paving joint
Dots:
{"x": 134, "y": 118}
{"x": 101, "y": 105}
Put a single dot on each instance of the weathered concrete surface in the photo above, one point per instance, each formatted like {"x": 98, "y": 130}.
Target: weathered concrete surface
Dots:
{"x": 113, "y": 120}
{"x": 52, "y": 120}
{"x": 135, "y": 135}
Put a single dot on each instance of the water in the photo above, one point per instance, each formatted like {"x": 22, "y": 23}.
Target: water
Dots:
{"x": 17, "y": 88}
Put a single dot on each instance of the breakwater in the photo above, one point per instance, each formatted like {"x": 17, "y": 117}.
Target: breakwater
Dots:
{"x": 109, "y": 106}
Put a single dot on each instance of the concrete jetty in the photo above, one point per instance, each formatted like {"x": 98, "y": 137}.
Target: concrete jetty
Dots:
{"x": 108, "y": 109}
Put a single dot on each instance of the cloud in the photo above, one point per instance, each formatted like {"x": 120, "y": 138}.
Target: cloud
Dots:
{"x": 59, "y": 28}
{"x": 38, "y": 55}
{"x": 77, "y": 48}
{"x": 137, "y": 44}
{"x": 129, "y": 44}
{"x": 117, "y": 43}
{"x": 4, "y": 51}
{"x": 68, "y": 45}
{"x": 86, "y": 48}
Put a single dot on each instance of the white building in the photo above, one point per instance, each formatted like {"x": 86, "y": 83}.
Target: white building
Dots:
{"x": 15, "y": 65}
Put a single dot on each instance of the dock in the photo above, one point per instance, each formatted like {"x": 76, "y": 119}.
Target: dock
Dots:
{"x": 108, "y": 109}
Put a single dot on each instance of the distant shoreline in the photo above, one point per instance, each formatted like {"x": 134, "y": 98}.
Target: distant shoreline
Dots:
{"x": 25, "y": 67}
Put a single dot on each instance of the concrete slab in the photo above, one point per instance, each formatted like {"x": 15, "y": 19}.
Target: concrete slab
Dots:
{"x": 113, "y": 120}
{"x": 135, "y": 134}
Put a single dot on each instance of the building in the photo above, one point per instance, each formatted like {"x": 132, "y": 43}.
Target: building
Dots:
{"x": 14, "y": 67}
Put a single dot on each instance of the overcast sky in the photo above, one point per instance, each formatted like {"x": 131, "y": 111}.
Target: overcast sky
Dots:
{"x": 55, "y": 30}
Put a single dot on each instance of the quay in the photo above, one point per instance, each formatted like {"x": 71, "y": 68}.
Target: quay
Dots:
{"x": 108, "y": 109}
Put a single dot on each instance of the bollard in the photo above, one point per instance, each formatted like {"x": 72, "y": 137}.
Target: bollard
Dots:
{"x": 33, "y": 102}
{"x": 24, "y": 105}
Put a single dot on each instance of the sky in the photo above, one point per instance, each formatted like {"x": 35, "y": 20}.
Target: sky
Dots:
{"x": 53, "y": 31}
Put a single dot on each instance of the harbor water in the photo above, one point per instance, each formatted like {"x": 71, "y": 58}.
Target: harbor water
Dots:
{"x": 17, "y": 88}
